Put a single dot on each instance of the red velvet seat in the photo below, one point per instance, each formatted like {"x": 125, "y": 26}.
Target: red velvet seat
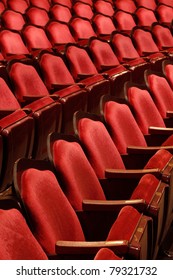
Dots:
{"x": 16, "y": 239}
{"x": 124, "y": 21}
{"x": 12, "y": 45}
{"x": 67, "y": 3}
{"x": 107, "y": 63}
{"x": 12, "y": 20}
{"x": 125, "y": 5}
{"x": 166, "y": 2}
{"x": 59, "y": 34}
{"x": 66, "y": 236}
{"x": 35, "y": 38}
{"x": 76, "y": 166}
{"x": 106, "y": 254}
{"x": 60, "y": 13}
{"x": 146, "y": 47}
{"x": 44, "y": 4}
{"x": 103, "y": 26}
{"x": 147, "y": 4}
{"x": 18, "y": 5}
{"x": 37, "y": 16}
{"x": 167, "y": 70}
{"x": 164, "y": 14}
{"x": 83, "y": 70}
{"x": 58, "y": 79}
{"x": 145, "y": 17}
{"x": 83, "y": 10}
{"x": 103, "y": 7}
{"x": 82, "y": 29}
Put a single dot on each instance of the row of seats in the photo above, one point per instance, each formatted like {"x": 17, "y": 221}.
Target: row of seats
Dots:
{"x": 68, "y": 109}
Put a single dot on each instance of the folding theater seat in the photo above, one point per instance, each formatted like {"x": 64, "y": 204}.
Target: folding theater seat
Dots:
{"x": 164, "y": 14}
{"x": 125, "y": 5}
{"x": 12, "y": 218}
{"x": 18, "y": 5}
{"x": 59, "y": 34}
{"x": 163, "y": 38}
{"x": 147, "y": 48}
{"x": 107, "y": 63}
{"x": 84, "y": 71}
{"x": 35, "y": 38}
{"x": 37, "y": 16}
{"x": 44, "y": 4}
{"x": 61, "y": 13}
{"x": 126, "y": 53}
{"x": 12, "y": 20}
{"x": 103, "y": 26}
{"x": 83, "y": 10}
{"x": 17, "y": 132}
{"x": 45, "y": 111}
{"x": 124, "y": 21}
{"x": 76, "y": 164}
{"x": 12, "y": 45}
{"x": 145, "y": 17}
{"x": 81, "y": 29}
{"x": 162, "y": 94}
{"x": 147, "y": 4}
{"x": 68, "y": 237}
{"x": 58, "y": 79}
{"x": 103, "y": 7}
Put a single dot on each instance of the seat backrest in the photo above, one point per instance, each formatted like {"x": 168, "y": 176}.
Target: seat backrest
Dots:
{"x": 55, "y": 71}
{"x": 124, "y": 47}
{"x": 103, "y": 25}
{"x": 59, "y": 33}
{"x": 161, "y": 92}
{"x": 61, "y": 13}
{"x": 144, "y": 109}
{"x": 29, "y": 248}
{"x": 35, "y": 38}
{"x": 124, "y": 21}
{"x": 72, "y": 166}
{"x": 67, "y": 3}
{"x": 12, "y": 20}
{"x": 145, "y": 17}
{"x": 121, "y": 123}
{"x": 80, "y": 62}
{"x": 147, "y": 4}
{"x": 103, "y": 7}
{"x": 100, "y": 148}
{"x": 11, "y": 43}
{"x": 21, "y": 75}
{"x": 37, "y": 16}
{"x": 47, "y": 206}
{"x": 18, "y": 5}
{"x": 163, "y": 36}
{"x": 165, "y": 14}
{"x": 81, "y": 28}
{"x": 125, "y": 5}
{"x": 102, "y": 55}
{"x": 144, "y": 42}
{"x": 167, "y": 68}
{"x": 44, "y": 4}
{"x": 83, "y": 10}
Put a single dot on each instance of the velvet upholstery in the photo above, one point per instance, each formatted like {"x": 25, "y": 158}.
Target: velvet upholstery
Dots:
{"x": 124, "y": 21}
{"x": 16, "y": 240}
{"x": 145, "y": 17}
{"x": 37, "y": 16}
{"x": 103, "y": 25}
{"x": 7, "y": 99}
{"x": 18, "y": 5}
{"x": 106, "y": 254}
{"x": 61, "y": 13}
{"x": 13, "y": 20}
{"x": 81, "y": 28}
{"x": 126, "y": 5}
{"x": 104, "y": 7}
{"x": 83, "y": 10}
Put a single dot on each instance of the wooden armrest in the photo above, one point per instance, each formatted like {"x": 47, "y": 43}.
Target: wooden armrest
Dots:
{"x": 137, "y": 173}
{"x": 160, "y": 130}
{"x": 147, "y": 150}
{"x": 87, "y": 247}
{"x": 112, "y": 205}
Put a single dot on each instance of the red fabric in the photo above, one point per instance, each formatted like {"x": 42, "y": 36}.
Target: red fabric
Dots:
{"x": 78, "y": 177}
{"x": 104, "y": 7}
{"x": 16, "y": 239}
{"x": 101, "y": 151}
{"x": 7, "y": 98}
{"x": 22, "y": 75}
{"x": 82, "y": 28}
{"x": 50, "y": 212}
{"x": 83, "y": 10}
{"x": 106, "y": 254}
{"x": 61, "y": 13}
{"x": 168, "y": 72}
{"x": 161, "y": 93}
{"x": 146, "y": 188}
{"x": 59, "y": 33}
{"x": 160, "y": 159}
{"x": 13, "y": 20}
{"x": 103, "y": 24}
{"x": 37, "y": 16}
{"x": 163, "y": 36}
{"x": 145, "y": 17}
{"x": 125, "y": 224}
{"x": 124, "y": 20}
{"x": 44, "y": 4}
{"x": 146, "y": 112}
{"x": 121, "y": 124}
{"x": 126, "y": 5}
